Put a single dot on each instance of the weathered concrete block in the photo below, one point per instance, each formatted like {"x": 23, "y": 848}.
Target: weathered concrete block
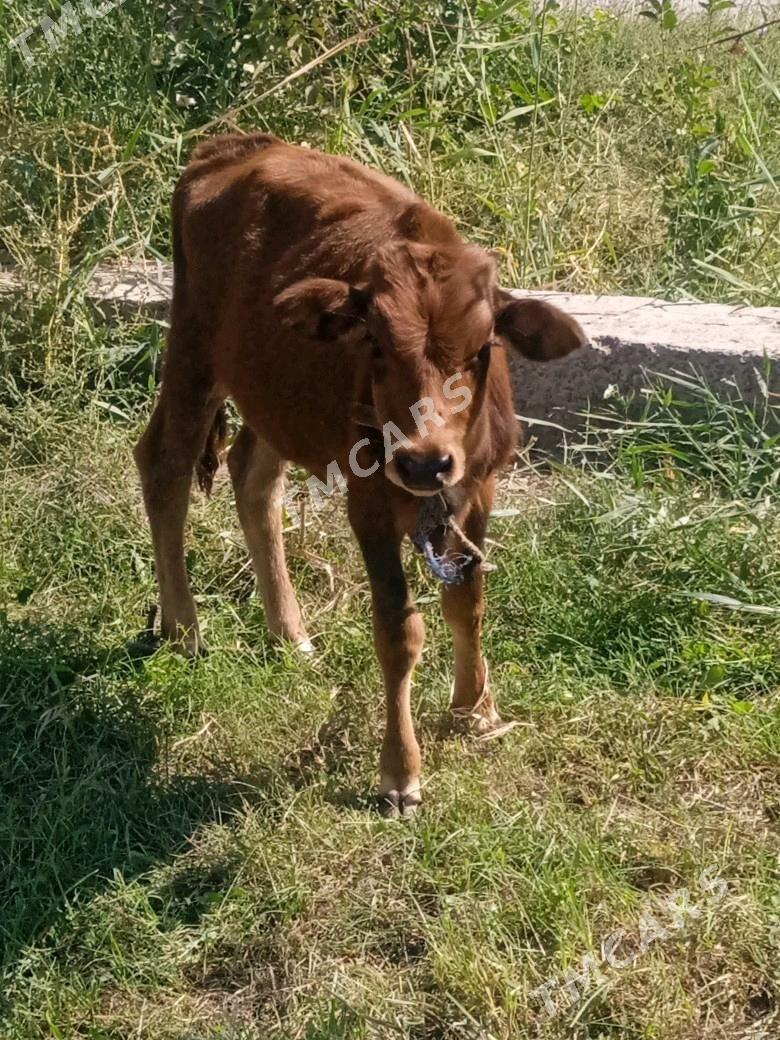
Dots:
{"x": 143, "y": 289}
{"x": 10, "y": 284}
{"x": 632, "y": 336}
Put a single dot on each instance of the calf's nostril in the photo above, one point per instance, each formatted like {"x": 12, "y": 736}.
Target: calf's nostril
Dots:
{"x": 402, "y": 464}
{"x": 422, "y": 470}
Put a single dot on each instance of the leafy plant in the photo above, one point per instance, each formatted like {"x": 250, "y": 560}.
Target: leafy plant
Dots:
{"x": 662, "y": 12}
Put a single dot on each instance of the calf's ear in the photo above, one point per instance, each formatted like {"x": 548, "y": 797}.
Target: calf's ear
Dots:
{"x": 537, "y": 329}
{"x": 324, "y": 308}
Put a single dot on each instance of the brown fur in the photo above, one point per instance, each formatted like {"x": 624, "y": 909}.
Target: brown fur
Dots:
{"x": 325, "y": 297}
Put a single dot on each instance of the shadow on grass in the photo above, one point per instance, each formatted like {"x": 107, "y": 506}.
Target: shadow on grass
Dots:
{"x": 328, "y": 755}
{"x": 83, "y": 784}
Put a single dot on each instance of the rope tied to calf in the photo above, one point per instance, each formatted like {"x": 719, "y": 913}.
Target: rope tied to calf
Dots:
{"x": 435, "y": 515}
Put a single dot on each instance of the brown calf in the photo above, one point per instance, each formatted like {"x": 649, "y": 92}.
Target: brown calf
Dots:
{"x": 330, "y": 303}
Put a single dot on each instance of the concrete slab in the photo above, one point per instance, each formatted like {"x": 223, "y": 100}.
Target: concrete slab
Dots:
{"x": 632, "y": 336}
{"x": 10, "y": 284}
{"x": 143, "y": 288}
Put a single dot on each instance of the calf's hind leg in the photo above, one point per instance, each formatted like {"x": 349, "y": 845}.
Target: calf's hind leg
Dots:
{"x": 257, "y": 472}
{"x": 166, "y": 454}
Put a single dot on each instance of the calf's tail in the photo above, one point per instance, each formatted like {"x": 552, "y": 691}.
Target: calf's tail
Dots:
{"x": 208, "y": 463}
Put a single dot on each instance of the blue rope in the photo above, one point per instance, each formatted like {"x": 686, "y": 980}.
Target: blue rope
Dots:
{"x": 449, "y": 568}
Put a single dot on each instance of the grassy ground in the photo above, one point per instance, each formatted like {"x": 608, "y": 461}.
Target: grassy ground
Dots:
{"x": 189, "y": 852}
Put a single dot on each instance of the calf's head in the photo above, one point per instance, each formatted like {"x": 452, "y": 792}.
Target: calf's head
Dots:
{"x": 428, "y": 315}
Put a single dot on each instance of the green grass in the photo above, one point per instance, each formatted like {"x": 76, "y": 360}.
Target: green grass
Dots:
{"x": 189, "y": 852}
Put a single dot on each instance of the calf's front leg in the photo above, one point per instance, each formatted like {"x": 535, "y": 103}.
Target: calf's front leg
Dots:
{"x": 463, "y": 606}
{"x": 398, "y": 638}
